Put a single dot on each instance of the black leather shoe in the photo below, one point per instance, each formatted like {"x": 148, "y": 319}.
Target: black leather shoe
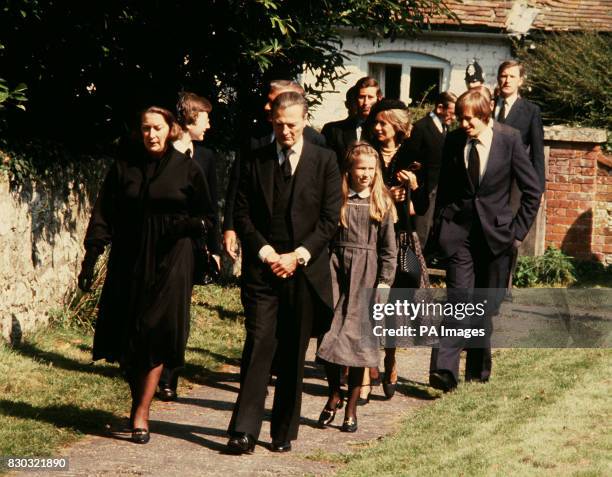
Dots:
{"x": 167, "y": 394}
{"x": 442, "y": 380}
{"x": 241, "y": 443}
{"x": 327, "y": 415}
{"x": 140, "y": 436}
{"x": 280, "y": 446}
{"x": 349, "y": 424}
{"x": 389, "y": 389}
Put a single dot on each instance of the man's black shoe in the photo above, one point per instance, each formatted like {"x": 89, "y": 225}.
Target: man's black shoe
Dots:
{"x": 280, "y": 446}
{"x": 442, "y": 380}
{"x": 241, "y": 443}
{"x": 166, "y": 394}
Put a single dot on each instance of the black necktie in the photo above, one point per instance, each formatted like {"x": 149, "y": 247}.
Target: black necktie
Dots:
{"x": 474, "y": 163}
{"x": 501, "y": 117}
{"x": 188, "y": 153}
{"x": 286, "y": 165}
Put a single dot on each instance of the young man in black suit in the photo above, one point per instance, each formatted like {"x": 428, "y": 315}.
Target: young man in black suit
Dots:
{"x": 478, "y": 231}
{"x": 193, "y": 117}
{"x": 520, "y": 114}
{"x": 339, "y": 135}
{"x": 262, "y": 136}
{"x": 286, "y": 213}
{"x": 425, "y": 146}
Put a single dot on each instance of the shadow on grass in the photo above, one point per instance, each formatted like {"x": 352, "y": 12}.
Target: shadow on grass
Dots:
{"x": 87, "y": 421}
{"x": 213, "y": 379}
{"x": 414, "y": 389}
{"x": 31, "y": 351}
{"x": 220, "y": 358}
{"x": 224, "y": 313}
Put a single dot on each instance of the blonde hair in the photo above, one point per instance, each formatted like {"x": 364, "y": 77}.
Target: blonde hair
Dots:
{"x": 400, "y": 120}
{"x": 381, "y": 202}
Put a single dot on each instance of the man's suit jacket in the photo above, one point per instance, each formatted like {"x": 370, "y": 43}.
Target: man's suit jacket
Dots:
{"x": 339, "y": 135}
{"x": 205, "y": 158}
{"x": 425, "y": 145}
{"x": 314, "y": 211}
{"x": 525, "y": 116}
{"x": 458, "y": 203}
{"x": 262, "y": 138}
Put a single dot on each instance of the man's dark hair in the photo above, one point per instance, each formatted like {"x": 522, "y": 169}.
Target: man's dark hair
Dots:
{"x": 367, "y": 82}
{"x": 445, "y": 98}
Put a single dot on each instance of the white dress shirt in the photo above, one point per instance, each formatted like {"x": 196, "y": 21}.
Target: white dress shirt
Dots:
{"x": 292, "y": 154}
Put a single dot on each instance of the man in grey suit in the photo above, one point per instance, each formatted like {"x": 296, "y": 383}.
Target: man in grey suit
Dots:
{"x": 478, "y": 231}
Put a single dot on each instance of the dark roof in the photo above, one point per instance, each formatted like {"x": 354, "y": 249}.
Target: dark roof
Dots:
{"x": 551, "y": 15}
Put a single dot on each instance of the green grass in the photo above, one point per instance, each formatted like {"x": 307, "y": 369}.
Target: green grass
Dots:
{"x": 545, "y": 412}
{"x": 51, "y": 393}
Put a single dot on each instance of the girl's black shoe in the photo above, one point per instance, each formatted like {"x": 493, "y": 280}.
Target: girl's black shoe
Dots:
{"x": 328, "y": 415}
{"x": 140, "y": 436}
{"x": 349, "y": 424}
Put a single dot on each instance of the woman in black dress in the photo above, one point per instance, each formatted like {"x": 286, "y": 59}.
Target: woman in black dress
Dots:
{"x": 153, "y": 203}
{"x": 390, "y": 123}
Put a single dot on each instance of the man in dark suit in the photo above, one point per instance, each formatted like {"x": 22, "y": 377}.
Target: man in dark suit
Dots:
{"x": 520, "y": 114}
{"x": 425, "y": 146}
{"x": 339, "y": 135}
{"x": 286, "y": 213}
{"x": 193, "y": 117}
{"x": 478, "y": 231}
{"x": 262, "y": 135}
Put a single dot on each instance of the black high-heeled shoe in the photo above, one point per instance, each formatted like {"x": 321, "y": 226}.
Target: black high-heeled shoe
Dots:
{"x": 327, "y": 415}
{"x": 349, "y": 424}
{"x": 140, "y": 436}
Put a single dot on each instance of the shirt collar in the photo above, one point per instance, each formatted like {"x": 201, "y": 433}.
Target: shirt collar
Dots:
{"x": 364, "y": 194}
{"x": 296, "y": 148}
{"x": 437, "y": 121}
{"x": 510, "y": 100}
{"x": 181, "y": 146}
{"x": 486, "y": 136}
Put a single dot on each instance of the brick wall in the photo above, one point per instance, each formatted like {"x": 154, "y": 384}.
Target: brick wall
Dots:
{"x": 578, "y": 193}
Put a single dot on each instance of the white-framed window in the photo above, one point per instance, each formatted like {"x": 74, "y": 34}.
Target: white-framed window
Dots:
{"x": 407, "y": 75}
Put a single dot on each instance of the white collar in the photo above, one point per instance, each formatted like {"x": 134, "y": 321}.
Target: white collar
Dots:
{"x": 486, "y": 135}
{"x": 183, "y": 146}
{"x": 510, "y": 100}
{"x": 364, "y": 194}
{"x": 436, "y": 120}
{"x": 296, "y": 149}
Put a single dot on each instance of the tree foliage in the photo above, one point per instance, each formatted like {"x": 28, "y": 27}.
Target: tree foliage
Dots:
{"x": 90, "y": 65}
{"x": 569, "y": 76}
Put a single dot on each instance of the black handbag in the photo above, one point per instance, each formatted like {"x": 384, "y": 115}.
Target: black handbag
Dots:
{"x": 408, "y": 262}
{"x": 205, "y": 270}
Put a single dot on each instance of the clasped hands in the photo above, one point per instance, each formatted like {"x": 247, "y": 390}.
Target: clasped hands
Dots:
{"x": 282, "y": 265}
{"x": 408, "y": 179}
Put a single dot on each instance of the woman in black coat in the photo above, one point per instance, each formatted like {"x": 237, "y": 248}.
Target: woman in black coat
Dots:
{"x": 390, "y": 124}
{"x": 154, "y": 202}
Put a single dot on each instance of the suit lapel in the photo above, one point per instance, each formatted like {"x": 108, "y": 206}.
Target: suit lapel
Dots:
{"x": 495, "y": 153}
{"x": 433, "y": 129}
{"x": 515, "y": 112}
{"x": 303, "y": 171}
{"x": 265, "y": 173}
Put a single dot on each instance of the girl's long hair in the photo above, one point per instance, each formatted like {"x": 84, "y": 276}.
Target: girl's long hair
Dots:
{"x": 381, "y": 202}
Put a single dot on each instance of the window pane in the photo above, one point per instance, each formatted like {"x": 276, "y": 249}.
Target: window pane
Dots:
{"x": 424, "y": 82}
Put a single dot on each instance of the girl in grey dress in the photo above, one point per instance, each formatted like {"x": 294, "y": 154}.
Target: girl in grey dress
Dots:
{"x": 363, "y": 256}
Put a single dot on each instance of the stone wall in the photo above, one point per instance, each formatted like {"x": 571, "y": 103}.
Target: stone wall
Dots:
{"x": 41, "y": 233}
{"x": 579, "y": 193}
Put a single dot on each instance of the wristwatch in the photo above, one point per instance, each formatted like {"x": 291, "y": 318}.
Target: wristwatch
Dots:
{"x": 300, "y": 260}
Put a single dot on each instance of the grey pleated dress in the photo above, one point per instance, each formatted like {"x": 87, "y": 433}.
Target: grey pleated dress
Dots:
{"x": 363, "y": 255}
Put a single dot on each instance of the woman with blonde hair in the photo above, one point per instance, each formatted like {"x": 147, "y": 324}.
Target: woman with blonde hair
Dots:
{"x": 391, "y": 125}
